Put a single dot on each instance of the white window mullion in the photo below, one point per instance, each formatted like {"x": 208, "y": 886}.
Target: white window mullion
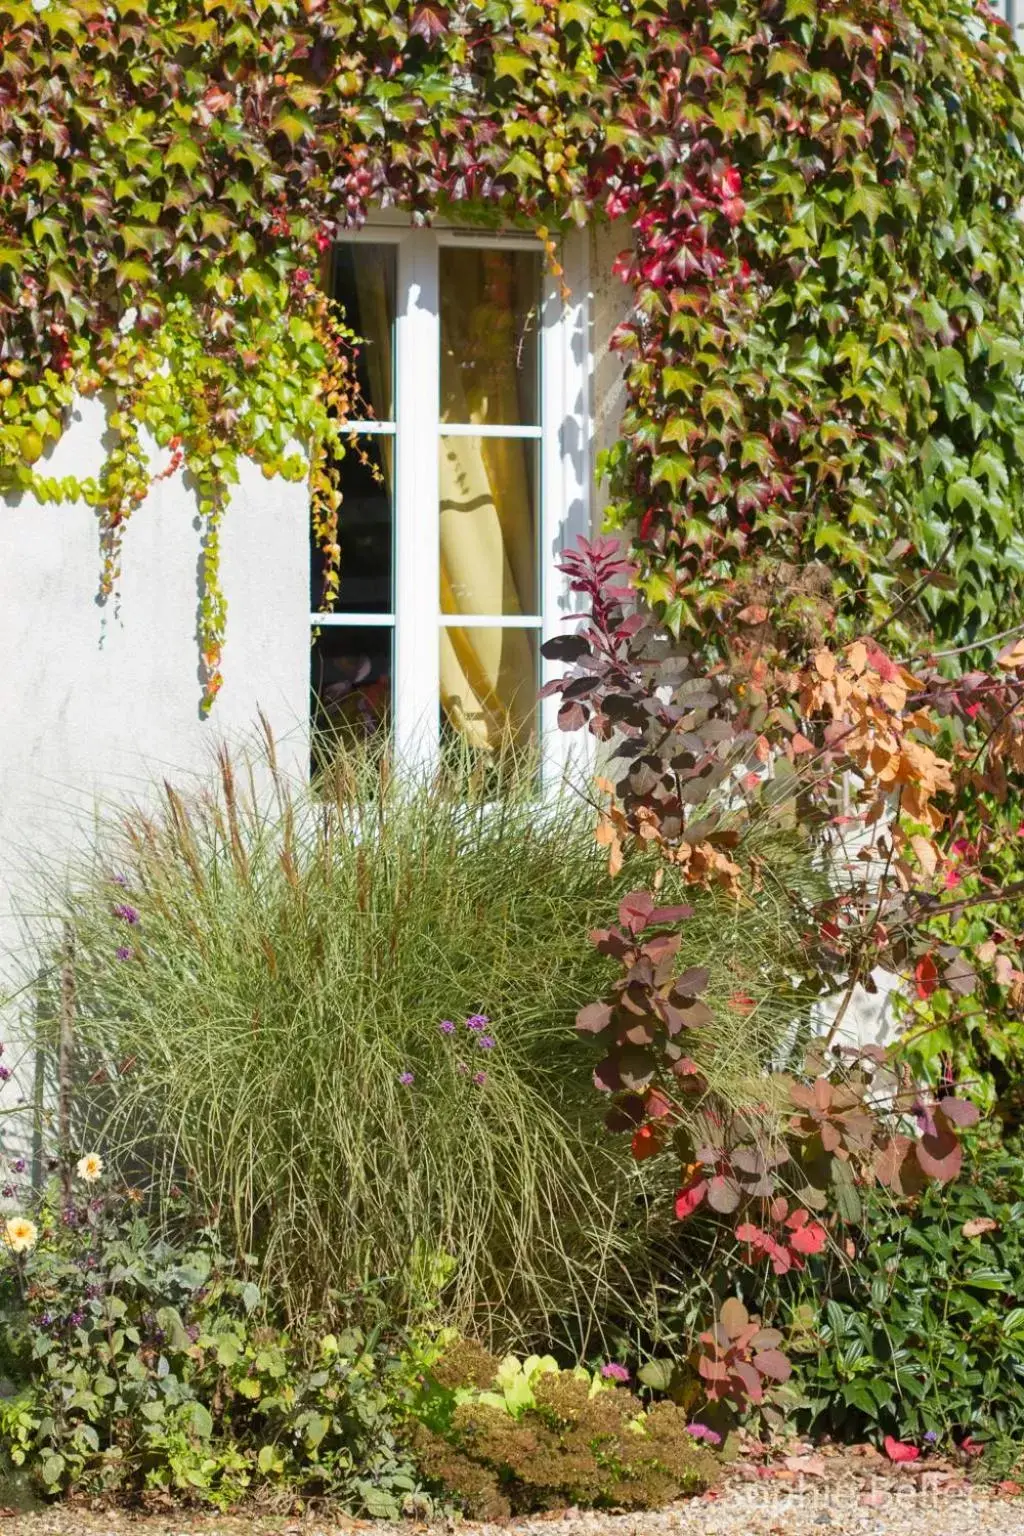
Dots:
{"x": 566, "y": 385}
{"x": 417, "y": 553}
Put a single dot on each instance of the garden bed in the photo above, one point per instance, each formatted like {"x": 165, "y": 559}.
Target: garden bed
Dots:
{"x": 852, "y": 1496}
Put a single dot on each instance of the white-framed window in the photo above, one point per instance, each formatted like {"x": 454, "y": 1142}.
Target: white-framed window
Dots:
{"x": 472, "y": 474}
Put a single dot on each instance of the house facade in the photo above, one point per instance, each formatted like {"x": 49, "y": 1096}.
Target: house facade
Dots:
{"x": 489, "y": 390}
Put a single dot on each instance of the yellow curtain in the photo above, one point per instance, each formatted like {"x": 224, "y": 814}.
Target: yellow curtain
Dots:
{"x": 488, "y": 496}
{"x": 487, "y": 514}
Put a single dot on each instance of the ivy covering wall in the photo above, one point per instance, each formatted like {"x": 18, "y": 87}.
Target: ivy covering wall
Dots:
{"x": 821, "y": 204}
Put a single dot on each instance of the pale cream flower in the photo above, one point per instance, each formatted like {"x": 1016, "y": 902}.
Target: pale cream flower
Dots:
{"x": 90, "y": 1167}
{"x": 20, "y": 1234}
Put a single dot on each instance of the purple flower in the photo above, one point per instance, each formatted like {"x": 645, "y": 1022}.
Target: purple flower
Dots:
{"x": 46, "y": 1321}
{"x": 75, "y": 1319}
{"x": 406, "y": 1079}
{"x": 929, "y": 1437}
{"x": 119, "y": 880}
{"x": 69, "y": 1216}
{"x": 5, "y": 1073}
{"x": 125, "y": 952}
{"x": 613, "y": 1371}
{"x": 702, "y": 1432}
{"x": 128, "y": 914}
{"x": 479, "y": 1078}
{"x": 446, "y": 1027}
{"x": 18, "y": 1165}
{"x": 7, "y": 1191}
{"x": 477, "y": 1021}
{"x": 462, "y": 1068}
{"x": 486, "y": 1042}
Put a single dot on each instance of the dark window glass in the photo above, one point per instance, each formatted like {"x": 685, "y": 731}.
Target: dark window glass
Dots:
{"x": 364, "y": 286}
{"x": 351, "y": 687}
{"x": 365, "y": 530}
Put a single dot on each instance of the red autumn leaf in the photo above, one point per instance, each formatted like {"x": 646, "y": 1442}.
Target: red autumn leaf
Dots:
{"x": 646, "y": 1142}
{"x": 593, "y": 1018}
{"x": 926, "y": 977}
{"x": 809, "y": 1237}
{"x": 658, "y": 1104}
{"x": 939, "y": 1156}
{"x": 773, "y": 1363}
{"x": 635, "y": 910}
{"x": 690, "y": 1198}
{"x": 896, "y": 1450}
{"x": 429, "y": 22}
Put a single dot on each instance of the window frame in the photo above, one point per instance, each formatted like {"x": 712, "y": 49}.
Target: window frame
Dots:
{"x": 564, "y": 436}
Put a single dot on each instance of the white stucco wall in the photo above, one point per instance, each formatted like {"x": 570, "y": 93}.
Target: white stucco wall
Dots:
{"x": 609, "y": 305}
{"x": 97, "y": 704}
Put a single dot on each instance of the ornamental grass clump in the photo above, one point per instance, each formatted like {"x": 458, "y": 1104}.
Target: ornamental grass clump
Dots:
{"x": 344, "y": 1019}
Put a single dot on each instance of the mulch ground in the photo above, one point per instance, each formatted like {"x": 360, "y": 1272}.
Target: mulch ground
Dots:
{"x": 804, "y": 1494}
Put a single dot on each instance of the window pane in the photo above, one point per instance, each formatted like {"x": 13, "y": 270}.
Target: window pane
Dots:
{"x": 489, "y": 686}
{"x": 490, "y": 319}
{"x": 489, "y": 500}
{"x": 365, "y": 530}
{"x": 351, "y": 687}
{"x": 364, "y": 286}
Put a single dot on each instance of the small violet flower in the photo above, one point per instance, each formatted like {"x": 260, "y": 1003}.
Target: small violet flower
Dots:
{"x": 18, "y": 1165}
{"x": 125, "y": 952}
{"x": 5, "y": 1073}
{"x": 406, "y": 1079}
{"x": 486, "y": 1042}
{"x": 613, "y": 1371}
{"x": 929, "y": 1437}
{"x": 121, "y": 880}
{"x": 127, "y": 913}
{"x": 477, "y": 1021}
{"x": 480, "y": 1078}
{"x": 446, "y": 1027}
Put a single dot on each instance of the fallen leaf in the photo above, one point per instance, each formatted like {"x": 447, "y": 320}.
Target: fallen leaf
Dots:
{"x": 898, "y": 1452}
{"x": 977, "y": 1225}
{"x": 1010, "y": 1488}
{"x": 811, "y": 1466}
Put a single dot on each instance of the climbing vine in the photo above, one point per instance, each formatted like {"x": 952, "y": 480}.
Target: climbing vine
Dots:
{"x": 825, "y": 344}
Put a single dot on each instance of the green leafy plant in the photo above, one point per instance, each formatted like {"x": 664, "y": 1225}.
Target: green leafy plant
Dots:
{"x": 515, "y": 1436}
{"x": 918, "y": 1331}
{"x": 136, "y": 1364}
